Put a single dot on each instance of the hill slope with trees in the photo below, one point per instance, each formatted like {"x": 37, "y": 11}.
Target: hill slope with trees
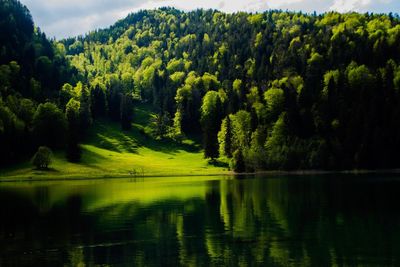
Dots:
{"x": 274, "y": 90}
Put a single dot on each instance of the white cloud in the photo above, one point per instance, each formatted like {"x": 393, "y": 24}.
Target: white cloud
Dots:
{"x": 350, "y": 5}
{"x": 65, "y": 27}
{"x": 63, "y": 18}
{"x": 277, "y": 4}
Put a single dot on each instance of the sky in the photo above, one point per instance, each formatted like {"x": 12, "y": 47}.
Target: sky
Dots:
{"x": 68, "y": 18}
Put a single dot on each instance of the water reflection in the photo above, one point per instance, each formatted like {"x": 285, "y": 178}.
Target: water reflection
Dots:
{"x": 281, "y": 221}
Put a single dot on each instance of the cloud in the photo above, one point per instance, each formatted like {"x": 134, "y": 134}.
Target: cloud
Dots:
{"x": 376, "y": 6}
{"x": 277, "y": 4}
{"x": 73, "y": 26}
{"x": 349, "y": 5}
{"x": 64, "y": 18}
{"x": 61, "y": 18}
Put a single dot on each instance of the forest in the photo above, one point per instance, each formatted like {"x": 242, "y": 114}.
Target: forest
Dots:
{"x": 265, "y": 91}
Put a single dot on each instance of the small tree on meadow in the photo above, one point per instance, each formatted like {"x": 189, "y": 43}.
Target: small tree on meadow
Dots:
{"x": 42, "y": 158}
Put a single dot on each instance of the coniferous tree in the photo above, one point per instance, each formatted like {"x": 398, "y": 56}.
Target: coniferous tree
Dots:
{"x": 98, "y": 102}
{"x": 126, "y": 112}
{"x": 85, "y": 115}
{"x": 72, "y": 113}
{"x": 210, "y": 119}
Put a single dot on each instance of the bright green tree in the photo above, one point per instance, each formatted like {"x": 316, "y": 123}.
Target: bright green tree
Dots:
{"x": 210, "y": 121}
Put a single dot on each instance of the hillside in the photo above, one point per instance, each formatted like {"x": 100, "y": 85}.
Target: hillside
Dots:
{"x": 277, "y": 90}
{"x": 272, "y": 90}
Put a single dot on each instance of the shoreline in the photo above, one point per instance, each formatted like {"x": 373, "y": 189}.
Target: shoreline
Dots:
{"x": 321, "y": 172}
{"x": 110, "y": 176}
{"x": 15, "y": 179}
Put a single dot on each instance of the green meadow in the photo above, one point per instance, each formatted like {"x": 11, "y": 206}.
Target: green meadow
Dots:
{"x": 109, "y": 152}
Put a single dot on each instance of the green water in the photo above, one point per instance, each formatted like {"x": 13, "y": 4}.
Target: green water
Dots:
{"x": 265, "y": 221}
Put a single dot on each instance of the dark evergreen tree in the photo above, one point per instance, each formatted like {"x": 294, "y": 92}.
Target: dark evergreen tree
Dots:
{"x": 98, "y": 102}
{"x": 85, "y": 115}
{"x": 126, "y": 112}
{"x": 72, "y": 113}
{"x": 237, "y": 162}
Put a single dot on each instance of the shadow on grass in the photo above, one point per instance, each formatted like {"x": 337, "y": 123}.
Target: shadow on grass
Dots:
{"x": 143, "y": 116}
{"x": 165, "y": 145}
{"x": 108, "y": 135}
{"x": 218, "y": 163}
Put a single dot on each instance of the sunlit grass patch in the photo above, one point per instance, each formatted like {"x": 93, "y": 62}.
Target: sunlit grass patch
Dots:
{"x": 110, "y": 152}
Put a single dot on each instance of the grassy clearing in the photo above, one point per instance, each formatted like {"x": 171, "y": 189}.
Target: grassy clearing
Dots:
{"x": 110, "y": 152}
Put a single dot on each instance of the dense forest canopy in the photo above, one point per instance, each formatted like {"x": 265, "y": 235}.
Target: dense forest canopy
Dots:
{"x": 272, "y": 90}
{"x": 32, "y": 71}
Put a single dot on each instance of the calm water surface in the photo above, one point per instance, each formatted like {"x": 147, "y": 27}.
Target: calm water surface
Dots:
{"x": 264, "y": 221}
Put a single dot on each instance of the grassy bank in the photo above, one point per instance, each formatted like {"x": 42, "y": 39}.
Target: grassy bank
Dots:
{"x": 110, "y": 152}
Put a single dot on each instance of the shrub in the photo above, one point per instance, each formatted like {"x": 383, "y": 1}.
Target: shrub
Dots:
{"x": 42, "y": 158}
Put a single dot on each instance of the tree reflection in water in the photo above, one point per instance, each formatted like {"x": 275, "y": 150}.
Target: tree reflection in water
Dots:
{"x": 270, "y": 221}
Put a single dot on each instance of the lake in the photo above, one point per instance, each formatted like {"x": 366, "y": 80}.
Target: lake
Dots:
{"x": 325, "y": 220}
